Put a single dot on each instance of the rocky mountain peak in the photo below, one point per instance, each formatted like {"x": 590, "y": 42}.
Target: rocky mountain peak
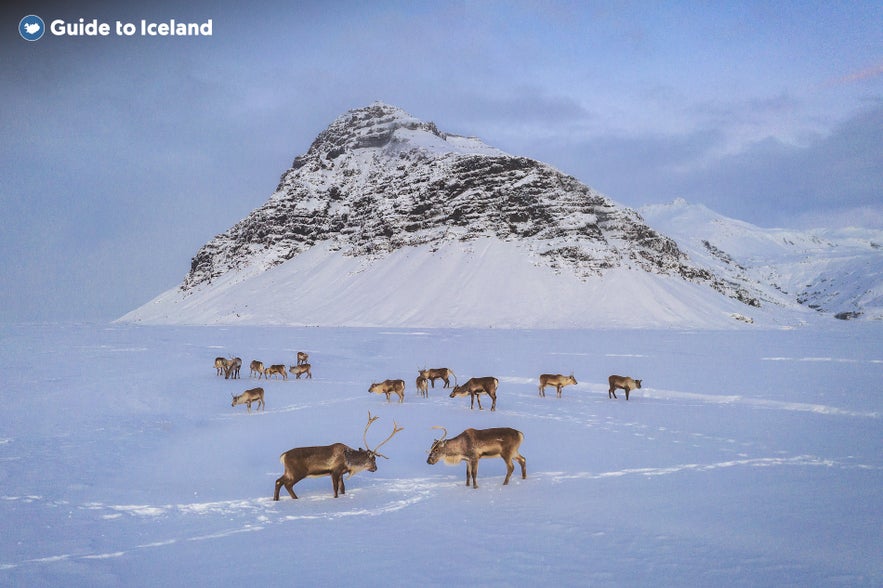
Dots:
{"x": 369, "y": 127}
{"x": 378, "y": 180}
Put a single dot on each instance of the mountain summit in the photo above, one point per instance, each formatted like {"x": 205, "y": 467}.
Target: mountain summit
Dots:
{"x": 387, "y": 220}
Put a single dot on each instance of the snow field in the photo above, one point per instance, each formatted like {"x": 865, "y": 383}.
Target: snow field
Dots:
{"x": 747, "y": 458}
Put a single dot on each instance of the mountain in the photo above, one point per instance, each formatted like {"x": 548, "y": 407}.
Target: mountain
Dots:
{"x": 834, "y": 271}
{"x": 388, "y": 221}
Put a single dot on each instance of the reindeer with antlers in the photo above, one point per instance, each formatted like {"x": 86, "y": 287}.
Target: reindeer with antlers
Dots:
{"x": 329, "y": 460}
{"x": 474, "y": 444}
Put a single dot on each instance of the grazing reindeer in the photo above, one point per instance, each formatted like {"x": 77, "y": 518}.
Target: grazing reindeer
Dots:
{"x": 301, "y": 368}
{"x": 422, "y": 387}
{"x": 389, "y": 387}
{"x": 220, "y": 365}
{"x": 256, "y": 367}
{"x": 474, "y": 387}
{"x": 623, "y": 382}
{"x": 231, "y": 372}
{"x": 277, "y": 369}
{"x": 443, "y": 374}
{"x": 556, "y": 380}
{"x": 249, "y": 396}
{"x": 329, "y": 460}
{"x": 474, "y": 444}
{"x": 302, "y": 358}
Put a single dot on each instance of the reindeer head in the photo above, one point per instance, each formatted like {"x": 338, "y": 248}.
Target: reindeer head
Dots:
{"x": 438, "y": 447}
{"x": 459, "y": 391}
{"x": 366, "y": 459}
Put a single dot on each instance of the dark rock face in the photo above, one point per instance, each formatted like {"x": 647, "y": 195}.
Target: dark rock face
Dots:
{"x": 377, "y": 180}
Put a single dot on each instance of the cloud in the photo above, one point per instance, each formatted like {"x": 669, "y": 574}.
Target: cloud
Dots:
{"x": 768, "y": 182}
{"x": 858, "y": 76}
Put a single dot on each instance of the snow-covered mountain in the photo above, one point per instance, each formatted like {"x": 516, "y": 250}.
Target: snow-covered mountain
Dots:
{"x": 388, "y": 221}
{"x": 834, "y": 271}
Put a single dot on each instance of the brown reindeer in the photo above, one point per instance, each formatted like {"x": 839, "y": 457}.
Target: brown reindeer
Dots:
{"x": 329, "y": 460}
{"x": 277, "y": 369}
{"x": 443, "y": 374}
{"x": 299, "y": 369}
{"x": 249, "y": 396}
{"x": 231, "y": 372}
{"x": 422, "y": 387}
{"x": 474, "y": 444}
{"x": 302, "y": 358}
{"x": 220, "y": 365}
{"x": 556, "y": 380}
{"x": 389, "y": 387}
{"x": 474, "y": 387}
{"x": 623, "y": 382}
{"x": 256, "y": 367}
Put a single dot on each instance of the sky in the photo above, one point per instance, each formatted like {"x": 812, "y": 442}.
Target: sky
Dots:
{"x": 122, "y": 155}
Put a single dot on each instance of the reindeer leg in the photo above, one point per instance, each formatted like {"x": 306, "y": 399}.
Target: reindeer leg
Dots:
{"x": 288, "y": 486}
{"x": 278, "y": 487}
{"x": 523, "y": 463}
{"x": 474, "y": 474}
{"x": 510, "y": 467}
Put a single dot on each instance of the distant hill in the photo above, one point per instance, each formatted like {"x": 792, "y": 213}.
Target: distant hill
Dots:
{"x": 834, "y": 271}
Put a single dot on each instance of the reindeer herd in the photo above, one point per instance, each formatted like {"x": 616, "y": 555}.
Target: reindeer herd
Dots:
{"x": 338, "y": 459}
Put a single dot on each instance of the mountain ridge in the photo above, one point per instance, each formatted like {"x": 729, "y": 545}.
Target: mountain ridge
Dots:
{"x": 379, "y": 185}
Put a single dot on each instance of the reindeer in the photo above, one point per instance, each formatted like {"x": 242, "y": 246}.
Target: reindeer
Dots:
{"x": 277, "y": 369}
{"x": 556, "y": 380}
{"x": 301, "y": 368}
{"x": 474, "y": 387}
{"x": 231, "y": 372}
{"x": 220, "y": 365}
{"x": 302, "y": 358}
{"x": 422, "y": 387}
{"x": 624, "y": 382}
{"x": 256, "y": 367}
{"x": 443, "y": 374}
{"x": 249, "y": 396}
{"x": 389, "y": 387}
{"x": 329, "y": 460}
{"x": 474, "y": 444}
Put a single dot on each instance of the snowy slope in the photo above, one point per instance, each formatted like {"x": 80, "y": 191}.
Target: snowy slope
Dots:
{"x": 833, "y": 271}
{"x": 745, "y": 460}
{"x": 481, "y": 283}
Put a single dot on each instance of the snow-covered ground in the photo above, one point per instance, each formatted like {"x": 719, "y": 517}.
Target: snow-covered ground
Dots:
{"x": 750, "y": 457}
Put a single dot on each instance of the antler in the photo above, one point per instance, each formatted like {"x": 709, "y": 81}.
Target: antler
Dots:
{"x": 395, "y": 429}
{"x": 444, "y": 434}
{"x": 371, "y": 420}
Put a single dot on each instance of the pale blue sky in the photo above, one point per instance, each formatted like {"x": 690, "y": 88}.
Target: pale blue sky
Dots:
{"x": 121, "y": 156}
